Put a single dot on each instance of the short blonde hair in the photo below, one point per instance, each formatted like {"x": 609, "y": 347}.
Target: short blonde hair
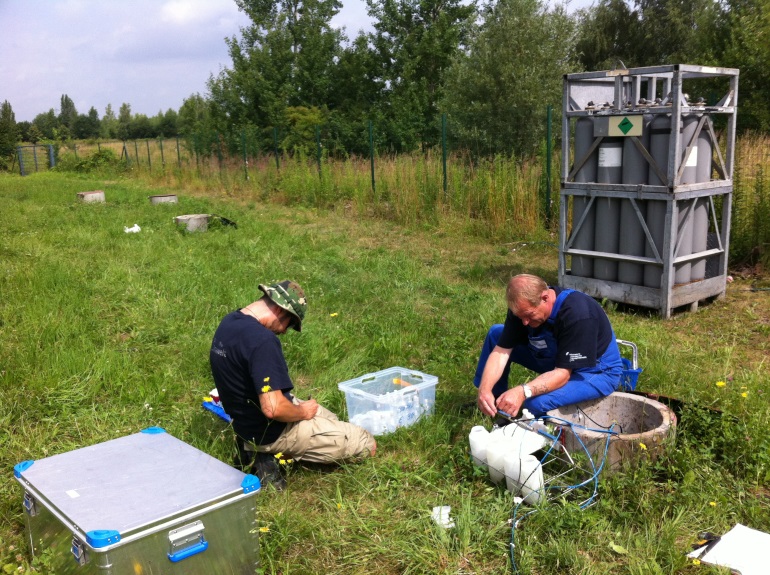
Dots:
{"x": 524, "y": 288}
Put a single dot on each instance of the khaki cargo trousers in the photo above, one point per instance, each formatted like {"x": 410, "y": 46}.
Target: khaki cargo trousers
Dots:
{"x": 323, "y": 439}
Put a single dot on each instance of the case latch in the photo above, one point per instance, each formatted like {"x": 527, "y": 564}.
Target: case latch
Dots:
{"x": 79, "y": 551}
{"x": 186, "y": 541}
{"x": 29, "y": 504}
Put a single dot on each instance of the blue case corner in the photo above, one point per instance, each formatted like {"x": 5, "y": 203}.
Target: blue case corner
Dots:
{"x": 20, "y": 468}
{"x": 102, "y": 537}
{"x": 153, "y": 430}
{"x": 250, "y": 483}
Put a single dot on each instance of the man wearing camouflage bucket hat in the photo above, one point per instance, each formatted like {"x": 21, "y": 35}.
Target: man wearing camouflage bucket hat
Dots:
{"x": 254, "y": 386}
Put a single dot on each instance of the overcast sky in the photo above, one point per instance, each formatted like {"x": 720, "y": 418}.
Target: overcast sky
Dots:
{"x": 151, "y": 54}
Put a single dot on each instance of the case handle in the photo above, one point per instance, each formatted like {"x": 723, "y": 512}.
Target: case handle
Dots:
{"x": 186, "y": 541}
{"x": 199, "y": 547}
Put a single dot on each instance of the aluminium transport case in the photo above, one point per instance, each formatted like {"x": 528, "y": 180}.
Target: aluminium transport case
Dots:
{"x": 143, "y": 504}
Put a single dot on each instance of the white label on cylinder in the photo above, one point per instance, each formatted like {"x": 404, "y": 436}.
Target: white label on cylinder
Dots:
{"x": 692, "y": 159}
{"x": 610, "y": 156}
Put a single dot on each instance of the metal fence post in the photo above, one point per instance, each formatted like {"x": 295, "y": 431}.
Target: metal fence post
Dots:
{"x": 149, "y": 160}
{"x": 162, "y": 157}
{"x": 21, "y": 161}
{"x": 219, "y": 151}
{"x": 371, "y": 154}
{"x": 443, "y": 148}
{"x": 275, "y": 147}
{"x": 178, "y": 155}
{"x": 34, "y": 156}
{"x": 51, "y": 157}
{"x": 245, "y": 159}
{"x": 548, "y": 154}
{"x": 136, "y": 150}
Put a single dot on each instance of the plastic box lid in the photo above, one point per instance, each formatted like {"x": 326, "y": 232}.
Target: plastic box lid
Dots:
{"x": 374, "y": 386}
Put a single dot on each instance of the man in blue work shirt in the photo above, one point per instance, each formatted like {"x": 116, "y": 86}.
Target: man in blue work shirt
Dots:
{"x": 561, "y": 334}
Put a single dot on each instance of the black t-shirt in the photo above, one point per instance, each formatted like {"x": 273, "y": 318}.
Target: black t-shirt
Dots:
{"x": 581, "y": 328}
{"x": 247, "y": 360}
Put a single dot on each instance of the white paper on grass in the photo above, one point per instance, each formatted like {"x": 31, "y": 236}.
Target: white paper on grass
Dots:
{"x": 742, "y": 549}
{"x": 441, "y": 516}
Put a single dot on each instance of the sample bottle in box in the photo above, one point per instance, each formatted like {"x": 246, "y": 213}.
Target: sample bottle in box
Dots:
{"x": 383, "y": 401}
{"x": 146, "y": 503}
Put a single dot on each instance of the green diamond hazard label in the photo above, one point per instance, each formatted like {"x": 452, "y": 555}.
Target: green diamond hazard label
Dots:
{"x": 625, "y": 125}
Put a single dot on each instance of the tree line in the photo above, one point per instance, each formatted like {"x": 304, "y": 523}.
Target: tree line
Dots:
{"x": 486, "y": 68}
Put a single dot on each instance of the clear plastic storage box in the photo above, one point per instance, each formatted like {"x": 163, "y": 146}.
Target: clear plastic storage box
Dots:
{"x": 396, "y": 397}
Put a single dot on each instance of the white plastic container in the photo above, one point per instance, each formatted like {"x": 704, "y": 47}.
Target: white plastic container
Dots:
{"x": 479, "y": 439}
{"x": 524, "y": 474}
{"x": 524, "y": 440}
{"x": 498, "y": 448}
{"x": 396, "y": 397}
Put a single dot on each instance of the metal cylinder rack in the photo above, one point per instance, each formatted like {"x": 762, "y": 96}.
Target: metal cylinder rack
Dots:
{"x": 646, "y": 186}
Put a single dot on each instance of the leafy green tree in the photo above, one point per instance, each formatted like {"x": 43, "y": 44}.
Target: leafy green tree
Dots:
{"x": 302, "y": 123}
{"x": 67, "y": 112}
{"x": 23, "y": 129}
{"x": 358, "y": 97}
{"x": 415, "y": 41}
{"x": 284, "y": 59}
{"x": 47, "y": 123}
{"x": 748, "y": 48}
{"x": 609, "y": 36}
{"x": 194, "y": 116}
{"x": 87, "y": 126}
{"x": 34, "y": 135}
{"x": 8, "y": 132}
{"x": 677, "y": 31}
{"x": 109, "y": 123}
{"x": 165, "y": 124}
{"x": 497, "y": 93}
{"x": 140, "y": 127}
{"x": 124, "y": 121}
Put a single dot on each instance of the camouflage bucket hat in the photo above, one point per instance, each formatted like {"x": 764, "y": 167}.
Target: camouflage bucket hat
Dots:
{"x": 288, "y": 295}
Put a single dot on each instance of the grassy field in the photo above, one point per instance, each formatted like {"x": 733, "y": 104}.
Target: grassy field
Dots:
{"x": 104, "y": 333}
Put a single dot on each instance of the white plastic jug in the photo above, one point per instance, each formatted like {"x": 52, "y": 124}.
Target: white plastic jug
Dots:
{"x": 526, "y": 441}
{"x": 479, "y": 439}
{"x": 498, "y": 447}
{"x": 523, "y": 473}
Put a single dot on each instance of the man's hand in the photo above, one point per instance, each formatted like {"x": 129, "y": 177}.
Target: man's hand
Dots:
{"x": 486, "y": 402}
{"x": 309, "y": 408}
{"x": 510, "y": 402}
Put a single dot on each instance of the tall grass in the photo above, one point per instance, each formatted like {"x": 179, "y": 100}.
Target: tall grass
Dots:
{"x": 500, "y": 197}
{"x": 104, "y": 333}
{"x": 751, "y": 207}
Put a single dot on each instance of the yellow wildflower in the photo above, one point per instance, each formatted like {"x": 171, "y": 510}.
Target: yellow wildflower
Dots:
{"x": 745, "y": 394}
{"x": 335, "y": 314}
{"x": 642, "y": 446}
{"x": 339, "y": 505}
{"x": 279, "y": 455}
{"x": 696, "y": 561}
{"x": 721, "y": 384}
{"x": 266, "y": 379}
{"x": 713, "y": 503}
{"x": 266, "y": 388}
{"x": 264, "y": 529}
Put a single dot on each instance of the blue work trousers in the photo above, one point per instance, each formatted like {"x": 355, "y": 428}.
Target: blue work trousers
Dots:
{"x": 584, "y": 383}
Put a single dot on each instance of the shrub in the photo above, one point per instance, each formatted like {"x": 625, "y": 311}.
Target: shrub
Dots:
{"x": 99, "y": 161}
